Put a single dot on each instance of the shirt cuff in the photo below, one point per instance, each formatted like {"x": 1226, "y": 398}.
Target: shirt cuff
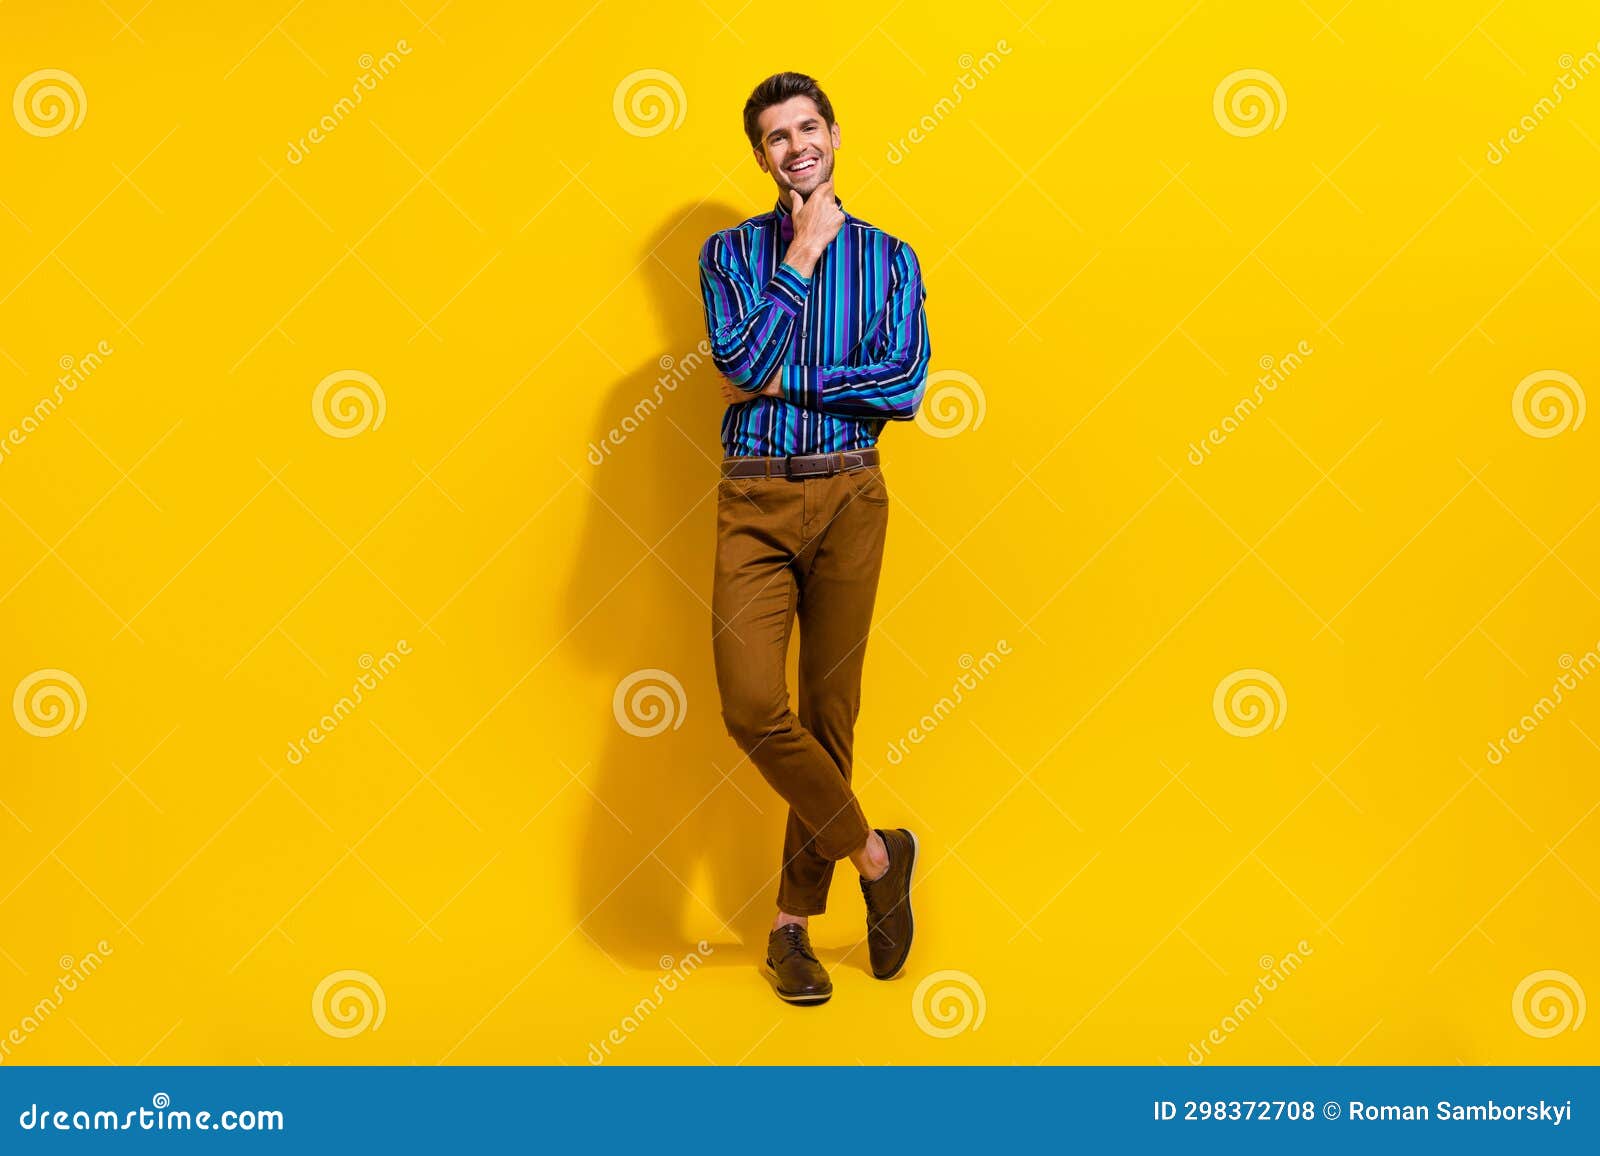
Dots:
{"x": 789, "y": 289}
{"x": 800, "y": 385}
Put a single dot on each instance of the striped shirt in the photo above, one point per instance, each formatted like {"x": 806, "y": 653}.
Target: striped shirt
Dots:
{"x": 851, "y": 341}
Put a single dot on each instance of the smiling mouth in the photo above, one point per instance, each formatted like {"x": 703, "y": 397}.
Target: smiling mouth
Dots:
{"x": 801, "y": 167}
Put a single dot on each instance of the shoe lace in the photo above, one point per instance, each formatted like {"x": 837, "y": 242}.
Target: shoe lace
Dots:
{"x": 874, "y": 916}
{"x": 794, "y": 938}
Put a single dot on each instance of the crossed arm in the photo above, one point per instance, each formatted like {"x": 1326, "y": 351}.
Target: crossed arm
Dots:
{"x": 751, "y": 328}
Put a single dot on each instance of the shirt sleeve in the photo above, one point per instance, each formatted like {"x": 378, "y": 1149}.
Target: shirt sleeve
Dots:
{"x": 749, "y": 325}
{"x": 890, "y": 383}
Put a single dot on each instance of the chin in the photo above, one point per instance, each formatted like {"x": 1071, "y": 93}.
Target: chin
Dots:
{"x": 807, "y": 183}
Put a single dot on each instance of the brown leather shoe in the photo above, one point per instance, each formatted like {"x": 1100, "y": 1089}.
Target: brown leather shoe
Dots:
{"x": 793, "y": 968}
{"x": 889, "y": 924}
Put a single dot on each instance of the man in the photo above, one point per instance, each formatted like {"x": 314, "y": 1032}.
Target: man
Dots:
{"x": 816, "y": 321}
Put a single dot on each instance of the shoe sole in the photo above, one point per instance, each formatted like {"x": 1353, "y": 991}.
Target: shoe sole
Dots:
{"x": 804, "y": 1000}
{"x": 911, "y": 921}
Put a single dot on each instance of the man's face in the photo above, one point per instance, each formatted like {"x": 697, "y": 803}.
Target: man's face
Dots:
{"x": 797, "y": 146}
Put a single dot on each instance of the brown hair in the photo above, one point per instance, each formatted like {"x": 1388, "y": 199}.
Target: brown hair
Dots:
{"x": 776, "y": 89}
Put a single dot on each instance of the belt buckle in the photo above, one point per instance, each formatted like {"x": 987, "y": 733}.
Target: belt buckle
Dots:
{"x": 789, "y": 471}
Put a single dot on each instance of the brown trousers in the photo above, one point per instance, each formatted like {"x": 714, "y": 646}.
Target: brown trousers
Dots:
{"x": 812, "y": 547}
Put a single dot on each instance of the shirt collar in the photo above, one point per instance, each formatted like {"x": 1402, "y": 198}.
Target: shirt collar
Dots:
{"x": 783, "y": 205}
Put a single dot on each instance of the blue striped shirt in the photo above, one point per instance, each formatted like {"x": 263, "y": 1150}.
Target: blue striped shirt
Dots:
{"x": 851, "y": 340}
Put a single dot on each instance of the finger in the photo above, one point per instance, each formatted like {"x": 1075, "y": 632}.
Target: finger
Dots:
{"x": 825, "y": 190}
{"x": 795, "y": 203}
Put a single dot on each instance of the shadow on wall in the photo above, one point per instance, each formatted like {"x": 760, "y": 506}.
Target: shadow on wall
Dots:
{"x": 679, "y": 845}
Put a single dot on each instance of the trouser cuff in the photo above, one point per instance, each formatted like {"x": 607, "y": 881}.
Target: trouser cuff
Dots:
{"x": 808, "y": 906}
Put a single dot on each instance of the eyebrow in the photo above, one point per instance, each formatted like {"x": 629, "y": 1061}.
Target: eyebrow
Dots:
{"x": 807, "y": 123}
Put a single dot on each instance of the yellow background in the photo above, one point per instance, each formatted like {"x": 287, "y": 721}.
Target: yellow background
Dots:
{"x": 484, "y": 238}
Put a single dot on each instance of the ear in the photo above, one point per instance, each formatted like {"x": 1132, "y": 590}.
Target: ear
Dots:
{"x": 837, "y": 141}
{"x": 761, "y": 159}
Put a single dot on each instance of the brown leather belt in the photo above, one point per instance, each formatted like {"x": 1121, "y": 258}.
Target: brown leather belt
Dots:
{"x": 797, "y": 466}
